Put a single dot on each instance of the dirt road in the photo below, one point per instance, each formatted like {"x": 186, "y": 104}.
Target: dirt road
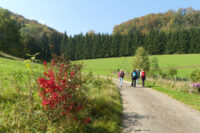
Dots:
{"x": 148, "y": 111}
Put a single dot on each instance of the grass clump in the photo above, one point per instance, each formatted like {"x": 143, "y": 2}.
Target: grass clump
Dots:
{"x": 106, "y": 106}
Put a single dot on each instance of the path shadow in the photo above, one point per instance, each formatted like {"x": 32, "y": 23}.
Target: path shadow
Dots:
{"x": 132, "y": 122}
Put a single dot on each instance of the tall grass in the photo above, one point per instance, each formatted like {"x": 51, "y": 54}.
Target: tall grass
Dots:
{"x": 106, "y": 104}
{"x": 21, "y": 113}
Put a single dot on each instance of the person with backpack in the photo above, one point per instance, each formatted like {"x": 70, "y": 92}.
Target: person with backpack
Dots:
{"x": 121, "y": 76}
{"x": 134, "y": 77}
{"x": 138, "y": 76}
{"x": 143, "y": 77}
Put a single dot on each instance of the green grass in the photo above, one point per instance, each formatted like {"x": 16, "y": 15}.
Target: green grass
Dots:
{"x": 105, "y": 107}
{"x": 185, "y": 63}
{"x": 11, "y": 70}
{"x": 191, "y": 99}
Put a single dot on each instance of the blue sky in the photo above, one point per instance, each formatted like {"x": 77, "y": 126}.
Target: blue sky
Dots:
{"x": 76, "y": 16}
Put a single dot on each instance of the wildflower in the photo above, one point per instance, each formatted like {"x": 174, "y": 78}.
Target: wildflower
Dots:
{"x": 79, "y": 107}
{"x": 45, "y": 64}
{"x": 53, "y": 63}
{"x": 72, "y": 73}
{"x": 75, "y": 119}
{"x": 196, "y": 85}
{"x": 88, "y": 120}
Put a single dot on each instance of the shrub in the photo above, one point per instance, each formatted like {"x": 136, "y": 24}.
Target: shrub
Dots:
{"x": 61, "y": 93}
{"x": 195, "y": 76}
{"x": 172, "y": 72}
{"x": 163, "y": 73}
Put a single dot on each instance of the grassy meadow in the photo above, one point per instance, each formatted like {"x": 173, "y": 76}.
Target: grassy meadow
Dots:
{"x": 185, "y": 64}
{"x": 12, "y": 70}
{"x": 19, "y": 114}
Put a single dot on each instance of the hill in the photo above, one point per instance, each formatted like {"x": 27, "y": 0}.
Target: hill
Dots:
{"x": 182, "y": 18}
{"x": 21, "y": 36}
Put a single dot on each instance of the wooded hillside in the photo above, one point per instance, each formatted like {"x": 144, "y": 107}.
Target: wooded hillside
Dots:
{"x": 170, "y": 20}
{"x": 20, "y": 36}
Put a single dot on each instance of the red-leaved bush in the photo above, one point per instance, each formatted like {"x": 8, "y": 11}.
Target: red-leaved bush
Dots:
{"x": 61, "y": 93}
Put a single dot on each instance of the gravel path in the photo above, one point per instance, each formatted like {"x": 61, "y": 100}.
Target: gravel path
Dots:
{"x": 148, "y": 111}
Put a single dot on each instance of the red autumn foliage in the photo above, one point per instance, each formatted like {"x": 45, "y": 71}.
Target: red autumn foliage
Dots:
{"x": 60, "y": 91}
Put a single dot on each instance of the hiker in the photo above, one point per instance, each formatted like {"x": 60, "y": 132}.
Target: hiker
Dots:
{"x": 121, "y": 76}
{"x": 134, "y": 77}
{"x": 143, "y": 77}
{"x": 138, "y": 76}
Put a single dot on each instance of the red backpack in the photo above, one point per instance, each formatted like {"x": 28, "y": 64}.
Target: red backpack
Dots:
{"x": 143, "y": 74}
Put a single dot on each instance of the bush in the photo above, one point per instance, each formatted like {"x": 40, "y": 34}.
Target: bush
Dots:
{"x": 171, "y": 71}
{"x": 195, "y": 76}
{"x": 61, "y": 93}
{"x": 163, "y": 73}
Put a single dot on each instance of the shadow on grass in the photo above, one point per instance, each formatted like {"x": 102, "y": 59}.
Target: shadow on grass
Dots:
{"x": 150, "y": 86}
{"x": 98, "y": 129}
{"x": 12, "y": 98}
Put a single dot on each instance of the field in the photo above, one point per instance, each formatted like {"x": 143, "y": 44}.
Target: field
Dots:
{"x": 10, "y": 70}
{"x": 185, "y": 64}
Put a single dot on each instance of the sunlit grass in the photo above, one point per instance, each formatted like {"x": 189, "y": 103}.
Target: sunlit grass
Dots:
{"x": 103, "y": 96}
{"x": 185, "y": 64}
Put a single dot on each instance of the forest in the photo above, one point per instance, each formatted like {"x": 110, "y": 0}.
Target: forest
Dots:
{"x": 170, "y": 20}
{"x": 176, "y": 32}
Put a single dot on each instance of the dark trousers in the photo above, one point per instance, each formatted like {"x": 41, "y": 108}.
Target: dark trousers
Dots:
{"x": 133, "y": 82}
{"x": 143, "y": 82}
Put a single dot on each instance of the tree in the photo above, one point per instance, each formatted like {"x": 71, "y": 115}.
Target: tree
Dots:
{"x": 141, "y": 59}
{"x": 10, "y": 41}
{"x": 154, "y": 67}
{"x": 63, "y": 43}
{"x": 45, "y": 51}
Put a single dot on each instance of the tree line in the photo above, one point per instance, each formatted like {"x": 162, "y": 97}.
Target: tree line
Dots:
{"x": 180, "y": 41}
{"x": 19, "y": 37}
